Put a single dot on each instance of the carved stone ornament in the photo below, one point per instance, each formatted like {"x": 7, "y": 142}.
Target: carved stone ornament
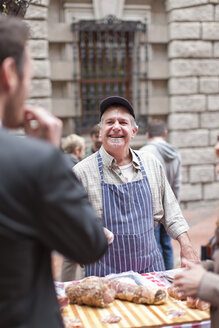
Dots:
{"x": 103, "y": 8}
{"x": 14, "y": 7}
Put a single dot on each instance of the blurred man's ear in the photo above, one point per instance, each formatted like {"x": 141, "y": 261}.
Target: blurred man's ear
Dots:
{"x": 77, "y": 151}
{"x": 9, "y": 77}
{"x": 165, "y": 134}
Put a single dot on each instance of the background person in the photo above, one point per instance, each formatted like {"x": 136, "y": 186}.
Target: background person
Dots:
{"x": 42, "y": 205}
{"x": 74, "y": 146}
{"x": 129, "y": 191}
{"x": 170, "y": 158}
{"x": 96, "y": 140}
{"x": 202, "y": 280}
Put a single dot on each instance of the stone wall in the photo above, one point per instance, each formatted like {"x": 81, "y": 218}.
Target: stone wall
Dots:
{"x": 192, "y": 105}
{"x": 36, "y": 18}
{"x": 193, "y": 53}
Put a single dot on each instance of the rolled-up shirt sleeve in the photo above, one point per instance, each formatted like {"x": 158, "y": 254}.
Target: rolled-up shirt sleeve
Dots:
{"x": 165, "y": 205}
{"x": 173, "y": 220}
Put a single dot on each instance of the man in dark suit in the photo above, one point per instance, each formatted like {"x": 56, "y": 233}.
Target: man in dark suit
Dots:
{"x": 42, "y": 205}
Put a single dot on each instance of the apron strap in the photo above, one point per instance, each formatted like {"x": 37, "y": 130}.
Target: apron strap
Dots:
{"x": 100, "y": 166}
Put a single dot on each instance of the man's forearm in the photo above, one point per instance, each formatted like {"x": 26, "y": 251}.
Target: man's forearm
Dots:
{"x": 186, "y": 249}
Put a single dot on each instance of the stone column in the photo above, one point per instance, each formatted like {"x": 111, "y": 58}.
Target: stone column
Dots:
{"x": 193, "y": 123}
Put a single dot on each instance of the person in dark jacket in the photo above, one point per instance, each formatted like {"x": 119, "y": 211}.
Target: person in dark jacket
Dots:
{"x": 170, "y": 159}
{"x": 202, "y": 280}
{"x": 42, "y": 205}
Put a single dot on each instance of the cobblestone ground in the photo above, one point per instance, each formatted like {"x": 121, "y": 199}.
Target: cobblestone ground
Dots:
{"x": 202, "y": 224}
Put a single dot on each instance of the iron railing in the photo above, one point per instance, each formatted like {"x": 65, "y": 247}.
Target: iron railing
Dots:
{"x": 108, "y": 55}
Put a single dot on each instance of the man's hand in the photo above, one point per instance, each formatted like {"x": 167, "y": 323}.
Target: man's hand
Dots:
{"x": 109, "y": 235}
{"x": 41, "y": 124}
{"x": 188, "y": 281}
{"x": 187, "y": 251}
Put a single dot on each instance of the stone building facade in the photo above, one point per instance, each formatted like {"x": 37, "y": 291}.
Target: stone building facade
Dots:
{"x": 181, "y": 84}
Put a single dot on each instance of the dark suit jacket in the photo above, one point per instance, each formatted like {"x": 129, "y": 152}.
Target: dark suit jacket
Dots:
{"x": 42, "y": 207}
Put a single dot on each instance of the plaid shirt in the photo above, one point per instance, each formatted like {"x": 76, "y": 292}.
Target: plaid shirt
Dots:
{"x": 165, "y": 206}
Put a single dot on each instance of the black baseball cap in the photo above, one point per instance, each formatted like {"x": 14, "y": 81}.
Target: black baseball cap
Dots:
{"x": 113, "y": 101}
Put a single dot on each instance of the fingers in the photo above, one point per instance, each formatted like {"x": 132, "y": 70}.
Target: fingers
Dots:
{"x": 109, "y": 235}
{"x": 41, "y": 124}
{"x": 187, "y": 264}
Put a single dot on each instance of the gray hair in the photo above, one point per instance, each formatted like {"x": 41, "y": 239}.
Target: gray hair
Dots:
{"x": 71, "y": 142}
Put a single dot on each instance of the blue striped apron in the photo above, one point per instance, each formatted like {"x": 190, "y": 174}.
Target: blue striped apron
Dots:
{"x": 128, "y": 213}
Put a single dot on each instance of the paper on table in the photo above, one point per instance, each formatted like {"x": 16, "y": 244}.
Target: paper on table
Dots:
{"x": 170, "y": 274}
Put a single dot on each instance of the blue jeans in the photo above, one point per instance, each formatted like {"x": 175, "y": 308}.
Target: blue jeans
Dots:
{"x": 164, "y": 245}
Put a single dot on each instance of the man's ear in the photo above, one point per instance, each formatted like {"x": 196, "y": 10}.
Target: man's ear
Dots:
{"x": 76, "y": 151}
{"x": 165, "y": 134}
{"x": 9, "y": 75}
{"x": 134, "y": 132}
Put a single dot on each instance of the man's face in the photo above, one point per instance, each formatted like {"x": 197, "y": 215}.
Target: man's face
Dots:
{"x": 14, "y": 111}
{"x": 96, "y": 139}
{"x": 116, "y": 129}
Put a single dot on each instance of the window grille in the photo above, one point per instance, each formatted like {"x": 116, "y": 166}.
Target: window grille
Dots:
{"x": 108, "y": 54}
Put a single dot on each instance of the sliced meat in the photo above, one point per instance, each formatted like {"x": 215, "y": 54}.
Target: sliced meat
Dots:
{"x": 196, "y": 303}
{"x": 111, "y": 318}
{"x": 190, "y": 302}
{"x": 175, "y": 293}
{"x": 63, "y": 302}
{"x": 72, "y": 322}
{"x": 202, "y": 305}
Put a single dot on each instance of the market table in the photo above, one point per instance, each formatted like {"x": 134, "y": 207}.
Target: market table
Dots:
{"x": 139, "y": 315}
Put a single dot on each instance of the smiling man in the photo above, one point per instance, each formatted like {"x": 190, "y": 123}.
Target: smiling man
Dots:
{"x": 130, "y": 193}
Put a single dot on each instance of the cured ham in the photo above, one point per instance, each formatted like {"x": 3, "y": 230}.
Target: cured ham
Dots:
{"x": 93, "y": 291}
{"x": 96, "y": 291}
{"x": 150, "y": 294}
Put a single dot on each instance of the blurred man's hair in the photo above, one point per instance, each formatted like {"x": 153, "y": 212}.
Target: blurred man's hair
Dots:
{"x": 71, "y": 142}
{"x": 14, "y": 34}
{"x": 95, "y": 130}
{"x": 156, "y": 128}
